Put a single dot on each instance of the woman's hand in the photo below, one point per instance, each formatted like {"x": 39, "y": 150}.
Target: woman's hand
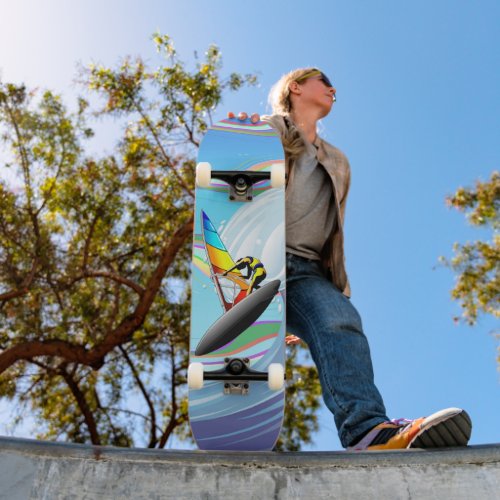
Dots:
{"x": 292, "y": 340}
{"x": 243, "y": 116}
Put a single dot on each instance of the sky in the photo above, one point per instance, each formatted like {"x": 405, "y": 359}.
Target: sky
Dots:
{"x": 417, "y": 114}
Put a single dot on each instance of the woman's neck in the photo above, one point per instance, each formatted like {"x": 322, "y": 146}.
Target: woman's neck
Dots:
{"x": 306, "y": 122}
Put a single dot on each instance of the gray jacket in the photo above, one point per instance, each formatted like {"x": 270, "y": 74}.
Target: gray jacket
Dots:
{"x": 337, "y": 166}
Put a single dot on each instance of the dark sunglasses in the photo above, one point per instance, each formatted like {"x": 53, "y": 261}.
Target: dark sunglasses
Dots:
{"x": 316, "y": 72}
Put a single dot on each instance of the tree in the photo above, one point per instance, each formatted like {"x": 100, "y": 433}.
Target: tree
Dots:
{"x": 95, "y": 253}
{"x": 477, "y": 264}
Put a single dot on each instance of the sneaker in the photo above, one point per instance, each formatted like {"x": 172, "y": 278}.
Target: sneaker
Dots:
{"x": 450, "y": 427}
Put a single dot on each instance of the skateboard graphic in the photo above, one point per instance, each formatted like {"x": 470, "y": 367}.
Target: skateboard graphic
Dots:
{"x": 237, "y": 343}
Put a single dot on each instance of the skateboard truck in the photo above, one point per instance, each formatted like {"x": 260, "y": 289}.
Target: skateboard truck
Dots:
{"x": 240, "y": 181}
{"x": 237, "y": 374}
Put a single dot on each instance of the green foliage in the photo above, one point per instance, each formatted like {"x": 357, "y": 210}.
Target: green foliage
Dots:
{"x": 303, "y": 393}
{"x": 95, "y": 254}
{"x": 477, "y": 264}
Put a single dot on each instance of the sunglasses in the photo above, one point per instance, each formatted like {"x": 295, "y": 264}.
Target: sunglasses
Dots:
{"x": 316, "y": 72}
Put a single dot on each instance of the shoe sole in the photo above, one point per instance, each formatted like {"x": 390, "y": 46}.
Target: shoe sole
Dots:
{"x": 451, "y": 427}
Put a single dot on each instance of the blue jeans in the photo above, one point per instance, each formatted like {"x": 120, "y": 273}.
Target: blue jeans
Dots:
{"x": 325, "y": 319}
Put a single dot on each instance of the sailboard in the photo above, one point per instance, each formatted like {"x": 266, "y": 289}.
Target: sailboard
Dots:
{"x": 240, "y": 310}
{"x": 231, "y": 288}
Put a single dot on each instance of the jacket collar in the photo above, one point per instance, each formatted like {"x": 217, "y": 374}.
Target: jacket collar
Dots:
{"x": 327, "y": 160}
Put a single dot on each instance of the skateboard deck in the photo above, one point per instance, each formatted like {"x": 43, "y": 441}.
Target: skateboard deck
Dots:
{"x": 237, "y": 343}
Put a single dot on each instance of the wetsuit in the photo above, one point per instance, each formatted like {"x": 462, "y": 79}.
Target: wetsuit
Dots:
{"x": 255, "y": 271}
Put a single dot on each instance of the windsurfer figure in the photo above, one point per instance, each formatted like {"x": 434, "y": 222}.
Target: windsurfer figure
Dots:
{"x": 256, "y": 271}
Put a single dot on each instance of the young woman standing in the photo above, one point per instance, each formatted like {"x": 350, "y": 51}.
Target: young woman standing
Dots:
{"x": 319, "y": 310}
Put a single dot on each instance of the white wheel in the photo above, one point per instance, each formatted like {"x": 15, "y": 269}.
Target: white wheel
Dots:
{"x": 276, "y": 376}
{"x": 203, "y": 174}
{"x": 277, "y": 175}
{"x": 195, "y": 376}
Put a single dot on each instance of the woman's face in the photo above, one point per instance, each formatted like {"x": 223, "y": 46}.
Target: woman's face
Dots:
{"x": 317, "y": 92}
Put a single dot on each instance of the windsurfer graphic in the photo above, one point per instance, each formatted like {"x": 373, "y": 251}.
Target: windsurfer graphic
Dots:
{"x": 256, "y": 271}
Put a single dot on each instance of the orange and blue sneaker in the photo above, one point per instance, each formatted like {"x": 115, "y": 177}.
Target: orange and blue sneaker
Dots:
{"x": 450, "y": 427}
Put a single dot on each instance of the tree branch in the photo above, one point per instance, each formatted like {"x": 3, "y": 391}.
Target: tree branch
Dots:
{"x": 152, "y": 440}
{"x": 5, "y": 231}
{"x": 82, "y": 404}
{"x": 114, "y": 277}
{"x": 191, "y": 133}
{"x": 89, "y": 238}
{"x": 27, "y": 177}
{"x": 173, "y": 422}
{"x": 160, "y": 146}
{"x": 24, "y": 288}
{"x": 52, "y": 186}
{"x": 121, "y": 334}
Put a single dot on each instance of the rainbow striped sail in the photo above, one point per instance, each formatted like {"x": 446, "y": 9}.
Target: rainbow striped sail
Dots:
{"x": 231, "y": 288}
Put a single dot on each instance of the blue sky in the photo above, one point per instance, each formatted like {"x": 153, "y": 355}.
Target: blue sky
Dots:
{"x": 418, "y": 115}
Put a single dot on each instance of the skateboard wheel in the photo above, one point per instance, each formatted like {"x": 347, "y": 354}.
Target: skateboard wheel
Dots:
{"x": 277, "y": 175}
{"x": 203, "y": 174}
{"x": 195, "y": 376}
{"x": 276, "y": 376}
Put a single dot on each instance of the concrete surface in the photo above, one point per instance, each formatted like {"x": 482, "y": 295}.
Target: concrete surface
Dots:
{"x": 42, "y": 470}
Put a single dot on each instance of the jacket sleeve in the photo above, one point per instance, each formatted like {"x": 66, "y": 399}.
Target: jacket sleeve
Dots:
{"x": 343, "y": 202}
{"x": 277, "y": 122}
{"x": 347, "y": 185}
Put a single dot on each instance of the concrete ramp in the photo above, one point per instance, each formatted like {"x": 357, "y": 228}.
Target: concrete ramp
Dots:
{"x": 36, "y": 469}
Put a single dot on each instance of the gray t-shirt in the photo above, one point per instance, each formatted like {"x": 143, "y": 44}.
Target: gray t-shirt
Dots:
{"x": 310, "y": 207}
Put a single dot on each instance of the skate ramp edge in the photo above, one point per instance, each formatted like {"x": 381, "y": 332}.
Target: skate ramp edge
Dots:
{"x": 38, "y": 469}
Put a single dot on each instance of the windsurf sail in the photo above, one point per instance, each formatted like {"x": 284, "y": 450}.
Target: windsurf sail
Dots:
{"x": 232, "y": 288}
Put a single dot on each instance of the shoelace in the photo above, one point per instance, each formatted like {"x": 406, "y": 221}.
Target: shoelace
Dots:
{"x": 401, "y": 421}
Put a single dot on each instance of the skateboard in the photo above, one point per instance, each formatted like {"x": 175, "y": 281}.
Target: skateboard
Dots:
{"x": 237, "y": 343}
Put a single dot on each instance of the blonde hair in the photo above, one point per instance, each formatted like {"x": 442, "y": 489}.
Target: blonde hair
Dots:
{"x": 279, "y": 96}
{"x": 281, "y": 104}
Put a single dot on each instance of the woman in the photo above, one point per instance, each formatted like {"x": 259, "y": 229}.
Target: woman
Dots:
{"x": 319, "y": 310}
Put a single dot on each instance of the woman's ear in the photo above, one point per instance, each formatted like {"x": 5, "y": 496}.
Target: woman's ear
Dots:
{"x": 294, "y": 87}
